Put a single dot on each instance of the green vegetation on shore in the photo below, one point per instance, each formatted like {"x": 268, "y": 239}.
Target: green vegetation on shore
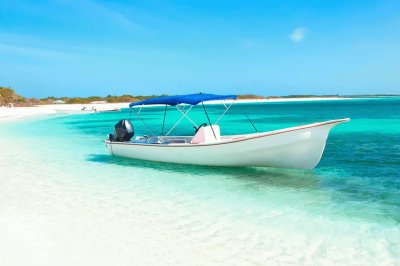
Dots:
{"x": 8, "y": 95}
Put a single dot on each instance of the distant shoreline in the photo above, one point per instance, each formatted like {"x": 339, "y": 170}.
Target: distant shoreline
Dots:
{"x": 24, "y": 112}
{"x": 9, "y": 96}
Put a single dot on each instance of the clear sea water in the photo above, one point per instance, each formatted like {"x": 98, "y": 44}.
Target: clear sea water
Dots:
{"x": 65, "y": 201}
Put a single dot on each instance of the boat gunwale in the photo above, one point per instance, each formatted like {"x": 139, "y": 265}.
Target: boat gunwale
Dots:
{"x": 238, "y": 139}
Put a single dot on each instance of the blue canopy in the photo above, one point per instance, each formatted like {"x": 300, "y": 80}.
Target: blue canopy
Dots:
{"x": 192, "y": 99}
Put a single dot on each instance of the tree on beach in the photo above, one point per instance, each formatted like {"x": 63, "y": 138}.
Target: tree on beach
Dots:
{"x": 8, "y": 95}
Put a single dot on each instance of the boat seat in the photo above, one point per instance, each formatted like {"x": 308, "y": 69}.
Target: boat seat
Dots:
{"x": 206, "y": 135}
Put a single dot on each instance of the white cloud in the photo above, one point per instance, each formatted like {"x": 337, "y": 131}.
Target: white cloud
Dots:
{"x": 298, "y": 34}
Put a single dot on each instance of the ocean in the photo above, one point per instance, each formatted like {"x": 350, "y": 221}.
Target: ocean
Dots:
{"x": 65, "y": 201}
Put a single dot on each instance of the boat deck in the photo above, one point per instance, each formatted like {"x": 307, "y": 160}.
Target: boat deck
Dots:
{"x": 174, "y": 139}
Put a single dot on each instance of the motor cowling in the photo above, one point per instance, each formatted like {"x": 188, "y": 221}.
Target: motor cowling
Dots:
{"x": 123, "y": 131}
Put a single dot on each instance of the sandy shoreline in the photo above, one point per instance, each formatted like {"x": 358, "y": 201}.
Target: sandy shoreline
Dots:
{"x": 22, "y": 112}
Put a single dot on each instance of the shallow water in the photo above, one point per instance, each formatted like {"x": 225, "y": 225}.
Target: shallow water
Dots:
{"x": 64, "y": 200}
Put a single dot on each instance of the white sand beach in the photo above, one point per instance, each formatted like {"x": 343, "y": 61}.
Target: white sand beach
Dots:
{"x": 21, "y": 112}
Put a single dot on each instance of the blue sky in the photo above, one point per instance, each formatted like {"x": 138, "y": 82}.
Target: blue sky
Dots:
{"x": 275, "y": 47}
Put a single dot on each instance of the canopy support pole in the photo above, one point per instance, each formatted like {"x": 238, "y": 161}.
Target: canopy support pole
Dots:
{"x": 184, "y": 114}
{"x": 141, "y": 107}
{"x": 180, "y": 119}
{"x": 251, "y": 122}
{"x": 163, "y": 123}
{"x": 146, "y": 126}
{"x": 209, "y": 121}
{"x": 226, "y": 110}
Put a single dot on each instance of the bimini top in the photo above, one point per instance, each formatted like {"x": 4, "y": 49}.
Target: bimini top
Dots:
{"x": 192, "y": 99}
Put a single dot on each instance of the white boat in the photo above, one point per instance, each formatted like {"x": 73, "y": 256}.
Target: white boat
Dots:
{"x": 295, "y": 147}
{"x": 86, "y": 110}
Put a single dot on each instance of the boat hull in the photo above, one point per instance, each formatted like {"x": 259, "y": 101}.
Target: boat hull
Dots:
{"x": 297, "y": 147}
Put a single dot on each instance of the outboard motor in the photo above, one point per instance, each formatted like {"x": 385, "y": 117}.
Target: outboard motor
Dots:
{"x": 123, "y": 131}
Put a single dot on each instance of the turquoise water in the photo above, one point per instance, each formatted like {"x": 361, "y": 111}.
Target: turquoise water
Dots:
{"x": 71, "y": 199}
